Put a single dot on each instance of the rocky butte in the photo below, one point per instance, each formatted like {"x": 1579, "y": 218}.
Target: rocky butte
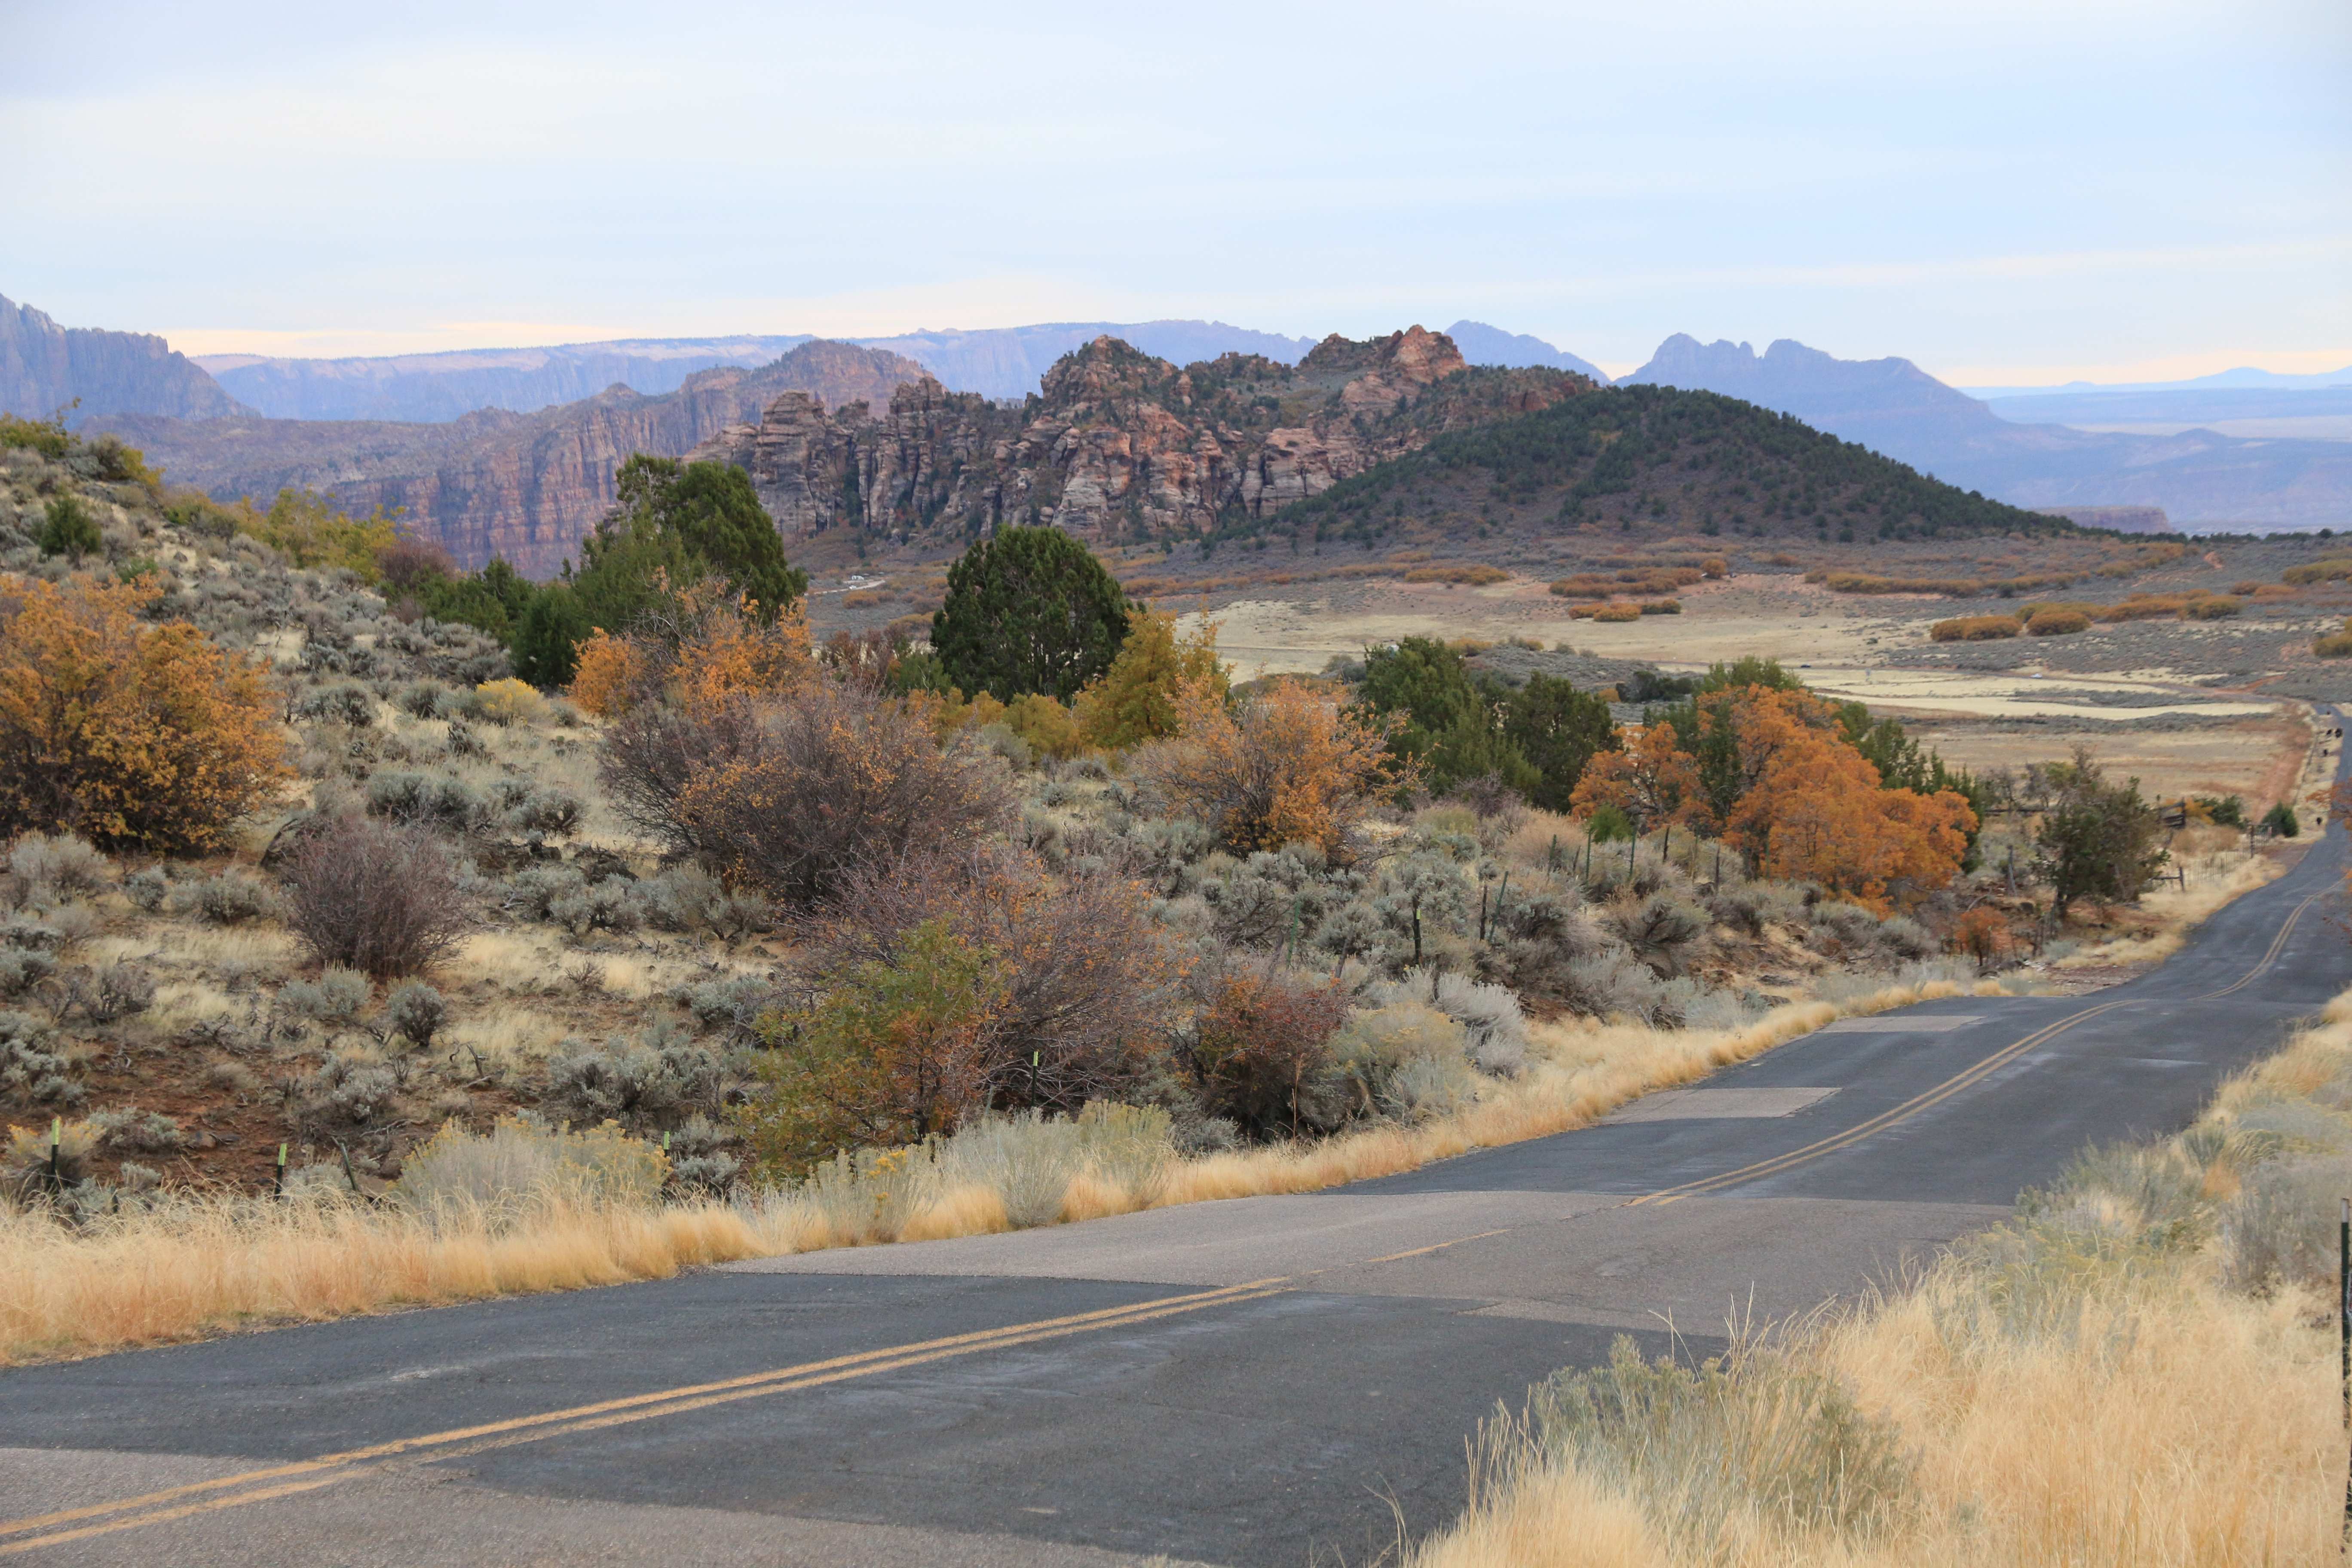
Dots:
{"x": 1118, "y": 446}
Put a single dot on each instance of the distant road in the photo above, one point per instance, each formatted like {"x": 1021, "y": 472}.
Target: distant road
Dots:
{"x": 1263, "y": 1382}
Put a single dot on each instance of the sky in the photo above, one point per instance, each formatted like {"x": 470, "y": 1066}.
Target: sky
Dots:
{"x": 2009, "y": 191}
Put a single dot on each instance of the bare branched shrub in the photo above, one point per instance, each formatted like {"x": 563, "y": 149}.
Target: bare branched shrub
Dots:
{"x": 787, "y": 793}
{"x": 110, "y": 990}
{"x": 1089, "y": 988}
{"x": 382, "y": 899}
{"x": 1260, "y": 1053}
{"x": 1657, "y": 929}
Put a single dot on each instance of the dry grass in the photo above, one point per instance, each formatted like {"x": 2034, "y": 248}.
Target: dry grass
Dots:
{"x": 200, "y": 1265}
{"x": 2168, "y": 1425}
{"x": 513, "y": 1036}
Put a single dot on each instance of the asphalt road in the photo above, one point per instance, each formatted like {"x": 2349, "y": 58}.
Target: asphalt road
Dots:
{"x": 1268, "y": 1380}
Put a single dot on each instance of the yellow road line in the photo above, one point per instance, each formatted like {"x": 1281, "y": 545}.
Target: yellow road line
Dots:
{"x": 1959, "y": 1080}
{"x": 527, "y": 1428}
{"x": 1420, "y": 1251}
{"x": 1965, "y": 1078}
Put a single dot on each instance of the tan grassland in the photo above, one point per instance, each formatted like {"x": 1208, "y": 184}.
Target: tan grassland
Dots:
{"x": 2255, "y": 759}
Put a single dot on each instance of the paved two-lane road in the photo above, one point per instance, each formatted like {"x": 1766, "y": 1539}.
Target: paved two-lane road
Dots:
{"x": 1256, "y": 1382}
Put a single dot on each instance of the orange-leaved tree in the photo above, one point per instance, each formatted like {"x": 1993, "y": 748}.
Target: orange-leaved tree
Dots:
{"x": 700, "y": 647}
{"x": 1649, "y": 778}
{"x": 1291, "y": 765}
{"x": 134, "y": 735}
{"x": 1816, "y": 814}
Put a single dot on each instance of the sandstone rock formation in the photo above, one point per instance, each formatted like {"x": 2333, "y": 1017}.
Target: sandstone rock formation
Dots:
{"x": 1117, "y": 445}
{"x": 522, "y": 486}
{"x": 44, "y": 367}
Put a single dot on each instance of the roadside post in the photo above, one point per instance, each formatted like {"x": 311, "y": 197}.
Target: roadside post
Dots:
{"x": 2344, "y": 1333}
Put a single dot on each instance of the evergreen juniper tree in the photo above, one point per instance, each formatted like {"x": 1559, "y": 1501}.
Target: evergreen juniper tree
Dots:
{"x": 1029, "y": 609}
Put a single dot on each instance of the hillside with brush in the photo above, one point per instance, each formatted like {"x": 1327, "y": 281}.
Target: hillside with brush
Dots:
{"x": 1654, "y": 459}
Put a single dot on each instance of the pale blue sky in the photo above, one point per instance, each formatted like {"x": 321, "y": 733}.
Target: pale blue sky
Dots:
{"x": 2008, "y": 191}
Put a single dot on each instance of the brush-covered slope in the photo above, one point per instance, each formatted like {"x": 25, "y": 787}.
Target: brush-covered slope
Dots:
{"x": 1651, "y": 459}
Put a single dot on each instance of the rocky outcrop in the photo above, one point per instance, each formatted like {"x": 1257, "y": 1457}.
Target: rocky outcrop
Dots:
{"x": 1120, "y": 445}
{"x": 525, "y": 487}
{"x": 44, "y": 367}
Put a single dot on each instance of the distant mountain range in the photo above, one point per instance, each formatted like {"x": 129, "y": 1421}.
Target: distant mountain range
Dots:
{"x": 522, "y": 486}
{"x": 2245, "y": 378}
{"x": 438, "y": 386}
{"x": 2158, "y": 446}
{"x": 998, "y": 363}
{"x": 2198, "y": 478}
{"x": 1483, "y": 344}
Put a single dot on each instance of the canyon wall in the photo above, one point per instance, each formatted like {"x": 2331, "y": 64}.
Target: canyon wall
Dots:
{"x": 44, "y": 367}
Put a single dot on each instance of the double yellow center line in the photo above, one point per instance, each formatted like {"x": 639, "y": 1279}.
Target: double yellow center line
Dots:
{"x": 1976, "y": 1072}
{"x": 19, "y": 1535}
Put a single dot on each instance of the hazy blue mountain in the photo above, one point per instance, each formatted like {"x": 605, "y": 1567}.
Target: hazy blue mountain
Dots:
{"x": 2245, "y": 377}
{"x": 434, "y": 387}
{"x": 2200, "y": 478}
{"x": 1004, "y": 362}
{"x": 2218, "y": 406}
{"x": 1009, "y": 361}
{"x": 1483, "y": 344}
{"x": 44, "y": 367}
